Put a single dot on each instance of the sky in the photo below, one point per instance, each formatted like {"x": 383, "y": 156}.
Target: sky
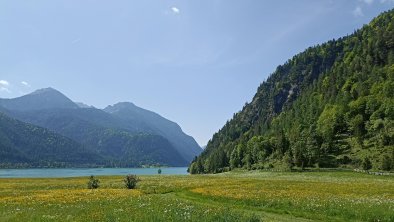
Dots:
{"x": 195, "y": 62}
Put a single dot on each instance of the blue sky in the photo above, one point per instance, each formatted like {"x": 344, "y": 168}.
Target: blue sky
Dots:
{"x": 193, "y": 62}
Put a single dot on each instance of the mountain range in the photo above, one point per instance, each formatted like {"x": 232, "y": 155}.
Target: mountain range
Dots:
{"x": 50, "y": 125}
{"x": 329, "y": 106}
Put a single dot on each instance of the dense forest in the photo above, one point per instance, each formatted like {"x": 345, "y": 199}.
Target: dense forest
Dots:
{"x": 26, "y": 145}
{"x": 329, "y": 106}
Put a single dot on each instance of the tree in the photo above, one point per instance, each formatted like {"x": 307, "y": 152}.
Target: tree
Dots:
{"x": 93, "y": 183}
{"x": 196, "y": 166}
{"x": 367, "y": 165}
{"x": 386, "y": 163}
{"x": 247, "y": 161}
{"x": 357, "y": 126}
{"x": 234, "y": 159}
{"x": 287, "y": 162}
{"x": 313, "y": 144}
{"x": 329, "y": 125}
{"x": 192, "y": 168}
{"x": 131, "y": 181}
{"x": 299, "y": 154}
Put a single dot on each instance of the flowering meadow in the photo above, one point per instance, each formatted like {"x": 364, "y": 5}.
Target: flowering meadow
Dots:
{"x": 235, "y": 196}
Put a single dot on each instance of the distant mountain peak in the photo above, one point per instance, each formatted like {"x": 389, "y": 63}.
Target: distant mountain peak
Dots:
{"x": 46, "y": 98}
{"x": 125, "y": 104}
{"x": 83, "y": 105}
{"x": 154, "y": 122}
{"x": 44, "y": 90}
{"x": 120, "y": 106}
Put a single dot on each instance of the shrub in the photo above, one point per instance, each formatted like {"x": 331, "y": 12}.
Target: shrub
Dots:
{"x": 386, "y": 163}
{"x": 93, "y": 183}
{"x": 131, "y": 181}
{"x": 287, "y": 163}
{"x": 367, "y": 165}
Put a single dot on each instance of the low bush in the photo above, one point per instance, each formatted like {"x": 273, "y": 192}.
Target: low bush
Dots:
{"x": 131, "y": 181}
{"x": 93, "y": 183}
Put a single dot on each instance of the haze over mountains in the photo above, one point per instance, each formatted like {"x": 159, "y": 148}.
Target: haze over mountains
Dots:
{"x": 122, "y": 135}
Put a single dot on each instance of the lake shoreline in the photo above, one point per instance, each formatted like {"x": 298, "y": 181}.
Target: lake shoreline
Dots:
{"x": 80, "y": 172}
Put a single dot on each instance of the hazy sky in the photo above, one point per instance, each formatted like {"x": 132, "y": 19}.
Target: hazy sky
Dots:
{"x": 194, "y": 62}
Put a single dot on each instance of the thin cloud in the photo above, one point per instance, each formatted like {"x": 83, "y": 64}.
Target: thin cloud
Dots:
{"x": 386, "y": 1}
{"x": 4, "y": 83}
{"x": 175, "y": 10}
{"x": 3, "y": 89}
{"x": 25, "y": 83}
{"x": 75, "y": 41}
{"x": 4, "y": 86}
{"x": 358, "y": 12}
{"x": 369, "y": 2}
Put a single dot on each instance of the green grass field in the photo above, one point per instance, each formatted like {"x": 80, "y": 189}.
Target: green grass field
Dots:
{"x": 246, "y": 196}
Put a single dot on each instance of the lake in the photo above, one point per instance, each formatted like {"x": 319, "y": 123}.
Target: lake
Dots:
{"x": 78, "y": 172}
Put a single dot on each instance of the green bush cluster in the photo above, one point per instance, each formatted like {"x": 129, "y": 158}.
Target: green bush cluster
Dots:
{"x": 93, "y": 183}
{"x": 131, "y": 181}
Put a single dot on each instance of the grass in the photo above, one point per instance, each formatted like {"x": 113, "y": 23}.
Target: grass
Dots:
{"x": 235, "y": 196}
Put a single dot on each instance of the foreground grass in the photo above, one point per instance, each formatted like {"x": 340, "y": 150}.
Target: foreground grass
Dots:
{"x": 242, "y": 196}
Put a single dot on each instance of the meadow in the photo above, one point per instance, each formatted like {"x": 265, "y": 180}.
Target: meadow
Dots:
{"x": 235, "y": 196}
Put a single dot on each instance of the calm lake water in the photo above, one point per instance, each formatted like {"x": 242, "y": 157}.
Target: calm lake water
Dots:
{"x": 78, "y": 172}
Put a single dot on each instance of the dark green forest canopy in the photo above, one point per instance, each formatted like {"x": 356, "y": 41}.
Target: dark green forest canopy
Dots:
{"x": 26, "y": 145}
{"x": 329, "y": 106}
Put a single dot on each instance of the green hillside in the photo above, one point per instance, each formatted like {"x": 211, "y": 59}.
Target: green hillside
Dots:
{"x": 124, "y": 140}
{"x": 329, "y": 106}
{"x": 153, "y": 123}
{"x": 26, "y": 145}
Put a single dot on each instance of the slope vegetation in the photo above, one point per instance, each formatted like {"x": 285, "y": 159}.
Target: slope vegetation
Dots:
{"x": 26, "y": 145}
{"x": 331, "y": 105}
{"x": 124, "y": 136}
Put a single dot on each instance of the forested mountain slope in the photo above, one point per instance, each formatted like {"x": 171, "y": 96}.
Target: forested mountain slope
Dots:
{"x": 156, "y": 124}
{"x": 329, "y": 106}
{"x": 123, "y": 139}
{"x": 26, "y": 145}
